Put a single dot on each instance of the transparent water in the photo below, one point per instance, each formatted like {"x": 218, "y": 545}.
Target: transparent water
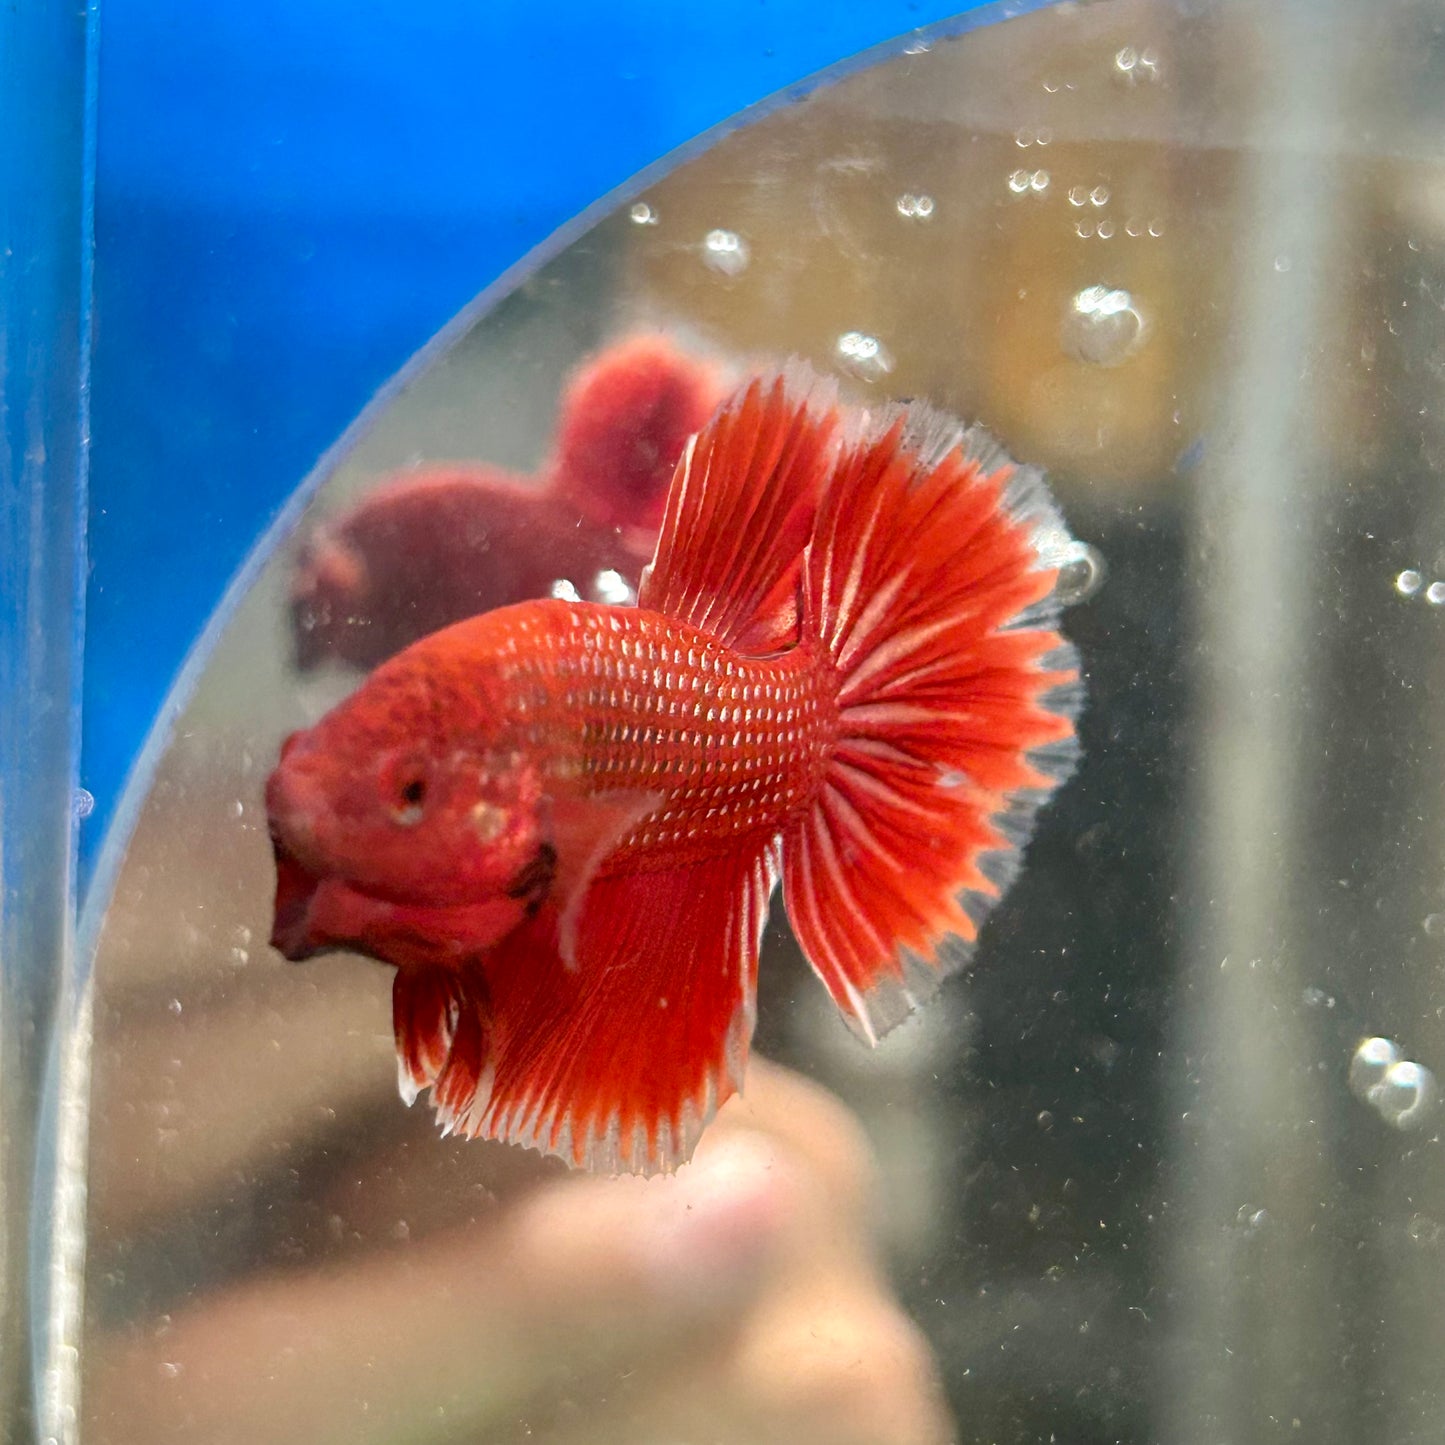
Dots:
{"x": 1165, "y": 1166}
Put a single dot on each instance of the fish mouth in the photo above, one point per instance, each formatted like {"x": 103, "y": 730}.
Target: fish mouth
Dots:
{"x": 318, "y": 912}
{"x": 297, "y": 888}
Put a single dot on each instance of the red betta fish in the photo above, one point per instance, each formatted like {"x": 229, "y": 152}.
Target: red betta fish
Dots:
{"x": 563, "y": 821}
{"x": 444, "y": 542}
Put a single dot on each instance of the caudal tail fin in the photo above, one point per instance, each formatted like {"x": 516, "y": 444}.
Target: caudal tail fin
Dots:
{"x": 930, "y": 583}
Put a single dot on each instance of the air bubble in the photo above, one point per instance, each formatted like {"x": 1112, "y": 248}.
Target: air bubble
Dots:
{"x": 1407, "y": 584}
{"x": 1039, "y": 181}
{"x": 642, "y": 214}
{"x": 726, "y": 252}
{"x": 1423, "y": 1230}
{"x": 1372, "y": 1058}
{"x": 1106, "y": 229}
{"x": 1435, "y": 593}
{"x": 1102, "y": 326}
{"x": 1404, "y": 1095}
{"x": 175, "y": 1006}
{"x": 1282, "y": 264}
{"x": 1318, "y": 998}
{"x": 1434, "y": 925}
{"x": 1248, "y": 1218}
{"x": 82, "y": 803}
{"x": 238, "y": 808}
{"x": 915, "y": 208}
{"x": 1099, "y": 196}
{"x": 918, "y": 47}
{"x": 865, "y": 356}
{"x": 564, "y": 591}
{"x": 613, "y": 587}
{"x": 1018, "y": 181}
{"x": 1081, "y": 572}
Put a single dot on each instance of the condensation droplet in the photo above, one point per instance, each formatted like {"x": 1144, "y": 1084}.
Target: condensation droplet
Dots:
{"x": 169, "y": 1369}
{"x": 1078, "y": 195}
{"x": 1282, "y": 263}
{"x": 1372, "y": 1057}
{"x": 1407, "y": 584}
{"x": 1156, "y": 228}
{"x": 642, "y": 214}
{"x": 1106, "y": 229}
{"x": 1249, "y": 1218}
{"x": 1018, "y": 181}
{"x": 1081, "y": 572}
{"x": 865, "y": 356}
{"x": 1099, "y": 196}
{"x": 1404, "y": 1095}
{"x": 82, "y": 803}
{"x": 564, "y": 591}
{"x": 726, "y": 252}
{"x": 1039, "y": 181}
{"x": 1084, "y": 230}
{"x": 1435, "y": 593}
{"x": 1434, "y": 925}
{"x": 1102, "y": 326}
{"x": 1045, "y": 1119}
{"x": 914, "y": 208}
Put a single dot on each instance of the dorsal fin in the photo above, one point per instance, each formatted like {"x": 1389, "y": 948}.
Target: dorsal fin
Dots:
{"x": 740, "y": 512}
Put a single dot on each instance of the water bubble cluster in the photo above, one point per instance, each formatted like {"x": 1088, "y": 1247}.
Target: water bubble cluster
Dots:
{"x": 1102, "y": 326}
{"x": 915, "y": 208}
{"x": 1088, "y": 196}
{"x": 1134, "y": 66}
{"x": 1021, "y": 182}
{"x": 1411, "y": 583}
{"x": 726, "y": 252}
{"x": 865, "y": 356}
{"x": 1399, "y": 1090}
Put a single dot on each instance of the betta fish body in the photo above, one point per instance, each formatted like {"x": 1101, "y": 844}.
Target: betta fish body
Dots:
{"x": 447, "y": 541}
{"x": 563, "y": 821}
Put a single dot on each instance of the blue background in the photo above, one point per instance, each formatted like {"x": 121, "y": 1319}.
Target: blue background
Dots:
{"x": 293, "y": 195}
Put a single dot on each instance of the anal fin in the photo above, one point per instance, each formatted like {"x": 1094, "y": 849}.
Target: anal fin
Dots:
{"x": 618, "y": 1064}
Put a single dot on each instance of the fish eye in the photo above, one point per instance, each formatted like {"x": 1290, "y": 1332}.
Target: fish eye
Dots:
{"x": 412, "y": 796}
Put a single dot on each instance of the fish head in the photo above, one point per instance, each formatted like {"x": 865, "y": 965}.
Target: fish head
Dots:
{"x": 404, "y": 826}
